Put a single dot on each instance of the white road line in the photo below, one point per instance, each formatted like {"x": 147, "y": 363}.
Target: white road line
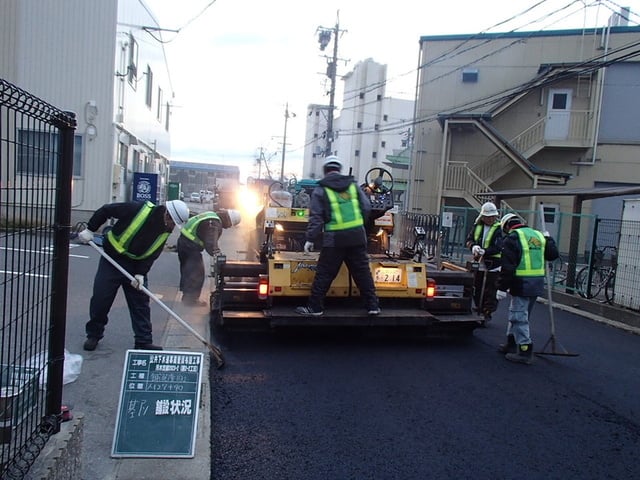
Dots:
{"x": 9, "y": 272}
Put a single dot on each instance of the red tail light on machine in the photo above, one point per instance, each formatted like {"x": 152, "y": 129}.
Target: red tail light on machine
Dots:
{"x": 263, "y": 286}
{"x": 431, "y": 288}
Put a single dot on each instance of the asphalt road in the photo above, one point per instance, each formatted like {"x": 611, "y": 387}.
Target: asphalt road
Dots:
{"x": 354, "y": 405}
{"x": 378, "y": 405}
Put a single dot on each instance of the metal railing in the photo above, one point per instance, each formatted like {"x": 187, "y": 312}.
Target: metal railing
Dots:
{"x": 601, "y": 236}
{"x": 36, "y": 160}
{"x": 476, "y": 178}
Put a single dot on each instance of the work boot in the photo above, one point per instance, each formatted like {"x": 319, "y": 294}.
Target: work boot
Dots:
{"x": 510, "y": 346}
{"x": 147, "y": 346}
{"x": 523, "y": 355}
{"x": 193, "y": 302}
{"x": 90, "y": 344}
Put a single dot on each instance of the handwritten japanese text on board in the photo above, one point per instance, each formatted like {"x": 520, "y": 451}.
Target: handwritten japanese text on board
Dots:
{"x": 158, "y": 409}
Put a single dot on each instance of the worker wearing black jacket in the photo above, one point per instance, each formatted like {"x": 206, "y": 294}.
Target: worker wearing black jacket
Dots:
{"x": 338, "y": 213}
{"x": 525, "y": 252}
{"x": 485, "y": 242}
{"x": 201, "y": 232}
{"x": 135, "y": 241}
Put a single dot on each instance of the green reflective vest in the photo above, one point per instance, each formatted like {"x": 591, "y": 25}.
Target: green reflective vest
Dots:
{"x": 121, "y": 242}
{"x": 345, "y": 209}
{"x": 191, "y": 227}
{"x": 533, "y": 245}
{"x": 477, "y": 236}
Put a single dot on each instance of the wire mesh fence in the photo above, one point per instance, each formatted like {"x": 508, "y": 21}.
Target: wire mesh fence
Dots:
{"x": 598, "y": 258}
{"x": 36, "y": 156}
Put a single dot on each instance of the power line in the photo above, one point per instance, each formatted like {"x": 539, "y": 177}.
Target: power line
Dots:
{"x": 589, "y": 66}
{"x": 446, "y": 55}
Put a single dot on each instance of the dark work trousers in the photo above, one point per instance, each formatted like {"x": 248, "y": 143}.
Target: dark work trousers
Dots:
{"x": 191, "y": 268}
{"x": 489, "y": 302}
{"x": 329, "y": 263}
{"x": 105, "y": 287}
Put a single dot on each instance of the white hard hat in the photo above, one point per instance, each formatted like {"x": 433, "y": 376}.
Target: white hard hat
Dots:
{"x": 508, "y": 219}
{"x": 178, "y": 211}
{"x": 332, "y": 163}
{"x": 488, "y": 210}
{"x": 234, "y": 216}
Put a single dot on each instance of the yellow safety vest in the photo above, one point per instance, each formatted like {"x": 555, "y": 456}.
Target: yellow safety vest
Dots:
{"x": 121, "y": 242}
{"x": 477, "y": 235}
{"x": 533, "y": 245}
{"x": 191, "y": 227}
{"x": 345, "y": 209}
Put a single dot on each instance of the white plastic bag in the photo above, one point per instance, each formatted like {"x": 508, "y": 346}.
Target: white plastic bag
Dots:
{"x": 72, "y": 366}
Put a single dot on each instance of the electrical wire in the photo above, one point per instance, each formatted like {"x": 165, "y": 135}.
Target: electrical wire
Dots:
{"x": 447, "y": 56}
{"x": 580, "y": 68}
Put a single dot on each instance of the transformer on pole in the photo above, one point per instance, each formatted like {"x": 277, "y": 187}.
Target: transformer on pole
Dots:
{"x": 324, "y": 37}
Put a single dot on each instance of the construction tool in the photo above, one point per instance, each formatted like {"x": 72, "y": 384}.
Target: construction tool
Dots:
{"x": 555, "y": 347}
{"x": 484, "y": 285}
{"x": 215, "y": 351}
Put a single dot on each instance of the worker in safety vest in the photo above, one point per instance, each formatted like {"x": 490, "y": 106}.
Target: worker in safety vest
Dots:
{"x": 525, "y": 252}
{"x": 338, "y": 213}
{"x": 135, "y": 241}
{"x": 201, "y": 232}
{"x": 485, "y": 242}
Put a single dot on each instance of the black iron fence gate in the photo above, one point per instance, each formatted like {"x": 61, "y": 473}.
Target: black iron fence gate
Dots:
{"x": 36, "y": 160}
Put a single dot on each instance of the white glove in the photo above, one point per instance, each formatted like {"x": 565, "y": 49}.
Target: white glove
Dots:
{"x": 477, "y": 251}
{"x": 546, "y": 234}
{"x": 85, "y": 236}
{"x": 308, "y": 246}
{"x": 500, "y": 295}
{"x": 138, "y": 282}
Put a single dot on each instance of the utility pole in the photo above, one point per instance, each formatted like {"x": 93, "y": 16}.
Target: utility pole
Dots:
{"x": 284, "y": 139}
{"x": 324, "y": 37}
{"x": 259, "y": 162}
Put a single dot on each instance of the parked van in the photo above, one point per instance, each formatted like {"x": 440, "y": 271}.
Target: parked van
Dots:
{"x": 206, "y": 195}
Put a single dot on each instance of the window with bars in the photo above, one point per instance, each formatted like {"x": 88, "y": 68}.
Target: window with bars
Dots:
{"x": 132, "y": 69}
{"x": 38, "y": 153}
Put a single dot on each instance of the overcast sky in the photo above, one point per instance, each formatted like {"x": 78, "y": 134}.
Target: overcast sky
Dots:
{"x": 236, "y": 64}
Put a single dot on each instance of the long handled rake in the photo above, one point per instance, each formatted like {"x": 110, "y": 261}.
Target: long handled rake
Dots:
{"x": 555, "y": 348}
{"x": 215, "y": 351}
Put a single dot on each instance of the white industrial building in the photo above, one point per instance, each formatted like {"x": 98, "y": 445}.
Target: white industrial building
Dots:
{"x": 369, "y": 127}
{"x": 103, "y": 60}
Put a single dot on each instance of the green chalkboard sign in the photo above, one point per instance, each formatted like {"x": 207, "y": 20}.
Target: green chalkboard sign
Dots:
{"x": 158, "y": 408}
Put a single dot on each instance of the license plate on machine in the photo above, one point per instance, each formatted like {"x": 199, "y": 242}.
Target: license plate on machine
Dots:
{"x": 388, "y": 275}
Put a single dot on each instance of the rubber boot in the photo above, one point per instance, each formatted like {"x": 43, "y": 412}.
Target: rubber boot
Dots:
{"x": 523, "y": 355}
{"x": 510, "y": 346}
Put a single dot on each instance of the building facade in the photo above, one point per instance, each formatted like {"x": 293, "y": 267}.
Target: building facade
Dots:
{"x": 196, "y": 177}
{"x": 103, "y": 60}
{"x": 369, "y": 126}
{"x": 522, "y": 110}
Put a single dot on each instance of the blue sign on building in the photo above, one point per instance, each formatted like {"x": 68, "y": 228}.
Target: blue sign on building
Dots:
{"x": 145, "y": 187}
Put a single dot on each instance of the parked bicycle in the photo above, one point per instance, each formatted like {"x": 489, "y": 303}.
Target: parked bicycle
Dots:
{"x": 599, "y": 276}
{"x": 558, "y": 269}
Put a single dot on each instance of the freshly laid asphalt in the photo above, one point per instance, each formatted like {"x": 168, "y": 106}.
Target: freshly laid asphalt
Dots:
{"x": 94, "y": 395}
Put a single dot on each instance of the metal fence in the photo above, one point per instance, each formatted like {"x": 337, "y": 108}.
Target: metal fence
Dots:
{"x": 598, "y": 258}
{"x": 36, "y": 160}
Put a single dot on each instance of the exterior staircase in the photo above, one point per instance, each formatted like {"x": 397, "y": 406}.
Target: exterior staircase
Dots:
{"x": 470, "y": 182}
